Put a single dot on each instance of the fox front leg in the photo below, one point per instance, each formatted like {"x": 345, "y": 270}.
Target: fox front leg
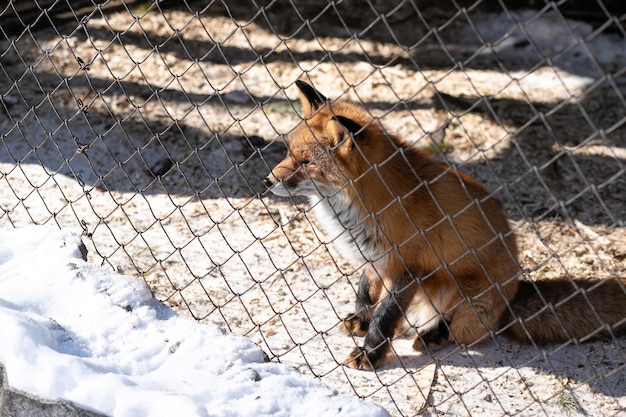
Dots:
{"x": 358, "y": 323}
{"x": 382, "y": 327}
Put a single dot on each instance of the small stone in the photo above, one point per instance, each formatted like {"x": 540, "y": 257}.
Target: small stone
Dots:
{"x": 161, "y": 167}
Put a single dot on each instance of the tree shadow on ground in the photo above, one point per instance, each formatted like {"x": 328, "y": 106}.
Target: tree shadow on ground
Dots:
{"x": 541, "y": 172}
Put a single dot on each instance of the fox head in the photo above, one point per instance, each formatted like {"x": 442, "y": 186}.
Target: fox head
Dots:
{"x": 328, "y": 150}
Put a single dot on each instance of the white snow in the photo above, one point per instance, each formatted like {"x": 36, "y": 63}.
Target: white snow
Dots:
{"x": 75, "y": 331}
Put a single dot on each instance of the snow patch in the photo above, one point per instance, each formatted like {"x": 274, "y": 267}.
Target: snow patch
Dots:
{"x": 74, "y": 331}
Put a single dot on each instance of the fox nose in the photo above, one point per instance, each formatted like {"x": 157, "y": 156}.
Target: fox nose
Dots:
{"x": 267, "y": 182}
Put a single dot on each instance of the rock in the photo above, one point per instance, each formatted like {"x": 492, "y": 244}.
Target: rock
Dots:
{"x": 18, "y": 403}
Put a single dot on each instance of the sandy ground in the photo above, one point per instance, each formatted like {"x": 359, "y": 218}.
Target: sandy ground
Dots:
{"x": 151, "y": 132}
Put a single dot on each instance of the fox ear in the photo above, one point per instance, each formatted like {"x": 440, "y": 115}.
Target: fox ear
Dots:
{"x": 351, "y": 126}
{"x": 311, "y": 98}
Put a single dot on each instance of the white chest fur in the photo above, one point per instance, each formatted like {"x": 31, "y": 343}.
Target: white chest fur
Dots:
{"x": 356, "y": 234}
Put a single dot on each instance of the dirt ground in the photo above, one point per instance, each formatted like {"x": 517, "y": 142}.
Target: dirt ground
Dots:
{"x": 152, "y": 131}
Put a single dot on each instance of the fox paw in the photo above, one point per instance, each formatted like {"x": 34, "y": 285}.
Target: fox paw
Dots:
{"x": 434, "y": 339}
{"x": 367, "y": 359}
{"x": 355, "y": 326}
{"x": 420, "y": 346}
{"x": 357, "y": 359}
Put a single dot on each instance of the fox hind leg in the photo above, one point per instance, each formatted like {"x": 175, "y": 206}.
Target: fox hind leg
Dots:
{"x": 466, "y": 327}
{"x": 473, "y": 321}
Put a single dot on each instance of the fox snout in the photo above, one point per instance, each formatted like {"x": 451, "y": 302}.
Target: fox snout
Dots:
{"x": 270, "y": 182}
{"x": 276, "y": 186}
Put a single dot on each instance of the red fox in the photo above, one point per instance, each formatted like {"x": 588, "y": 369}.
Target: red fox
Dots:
{"x": 439, "y": 255}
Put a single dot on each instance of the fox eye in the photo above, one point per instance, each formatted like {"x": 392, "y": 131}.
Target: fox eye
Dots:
{"x": 307, "y": 161}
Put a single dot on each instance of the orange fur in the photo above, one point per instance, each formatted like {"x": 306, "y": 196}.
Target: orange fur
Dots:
{"x": 439, "y": 254}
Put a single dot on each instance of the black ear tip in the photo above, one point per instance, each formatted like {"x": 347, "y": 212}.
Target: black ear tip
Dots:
{"x": 302, "y": 85}
{"x": 312, "y": 95}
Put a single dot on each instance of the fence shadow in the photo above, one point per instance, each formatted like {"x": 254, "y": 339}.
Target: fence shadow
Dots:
{"x": 590, "y": 364}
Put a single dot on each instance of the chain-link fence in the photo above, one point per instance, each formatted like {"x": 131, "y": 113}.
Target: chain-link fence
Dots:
{"x": 151, "y": 126}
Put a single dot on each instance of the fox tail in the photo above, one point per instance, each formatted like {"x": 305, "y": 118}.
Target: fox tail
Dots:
{"x": 553, "y": 311}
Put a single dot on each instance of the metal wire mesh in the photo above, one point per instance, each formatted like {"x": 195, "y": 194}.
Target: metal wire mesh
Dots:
{"x": 150, "y": 126}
